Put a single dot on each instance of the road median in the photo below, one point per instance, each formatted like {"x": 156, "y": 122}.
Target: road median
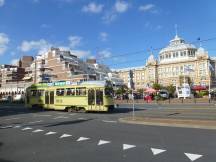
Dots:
{"x": 184, "y": 123}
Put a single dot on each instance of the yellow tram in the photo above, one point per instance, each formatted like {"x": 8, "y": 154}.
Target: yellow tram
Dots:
{"x": 69, "y": 96}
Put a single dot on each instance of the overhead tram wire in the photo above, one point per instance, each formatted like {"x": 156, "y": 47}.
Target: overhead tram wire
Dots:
{"x": 155, "y": 49}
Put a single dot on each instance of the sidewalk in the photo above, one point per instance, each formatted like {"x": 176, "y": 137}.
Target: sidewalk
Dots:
{"x": 184, "y": 123}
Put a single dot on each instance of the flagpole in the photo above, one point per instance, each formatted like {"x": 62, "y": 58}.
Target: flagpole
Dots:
{"x": 209, "y": 83}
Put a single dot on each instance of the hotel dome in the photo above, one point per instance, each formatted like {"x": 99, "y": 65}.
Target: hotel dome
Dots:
{"x": 177, "y": 50}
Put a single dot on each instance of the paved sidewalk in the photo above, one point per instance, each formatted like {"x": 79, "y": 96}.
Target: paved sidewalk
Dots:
{"x": 185, "y": 123}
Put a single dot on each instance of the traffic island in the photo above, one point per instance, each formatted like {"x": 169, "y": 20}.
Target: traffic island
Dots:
{"x": 184, "y": 123}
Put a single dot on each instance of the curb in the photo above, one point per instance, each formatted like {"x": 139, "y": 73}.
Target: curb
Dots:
{"x": 164, "y": 124}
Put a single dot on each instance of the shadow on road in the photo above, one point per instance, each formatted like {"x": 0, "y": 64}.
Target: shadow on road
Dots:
{"x": 3, "y": 160}
{"x": 68, "y": 122}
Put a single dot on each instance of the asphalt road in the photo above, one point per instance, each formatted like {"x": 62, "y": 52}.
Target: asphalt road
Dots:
{"x": 44, "y": 136}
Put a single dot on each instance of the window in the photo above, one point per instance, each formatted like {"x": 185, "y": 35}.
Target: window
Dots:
{"x": 70, "y": 91}
{"x": 181, "y": 53}
{"x": 40, "y": 92}
{"x": 81, "y": 91}
{"x": 173, "y": 54}
{"x": 33, "y": 92}
{"x": 60, "y": 92}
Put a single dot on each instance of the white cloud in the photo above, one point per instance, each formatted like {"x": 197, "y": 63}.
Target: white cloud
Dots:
{"x": 118, "y": 8}
{"x": 148, "y": 8}
{"x": 36, "y": 1}
{"x": 109, "y": 17}
{"x": 75, "y": 41}
{"x": 80, "y": 53}
{"x": 104, "y": 54}
{"x": 45, "y": 26}
{"x": 4, "y": 40}
{"x": 103, "y": 36}
{"x": 14, "y": 61}
{"x": 41, "y": 46}
{"x": 93, "y": 8}
{"x": 121, "y": 6}
{"x": 158, "y": 27}
{"x": 2, "y": 2}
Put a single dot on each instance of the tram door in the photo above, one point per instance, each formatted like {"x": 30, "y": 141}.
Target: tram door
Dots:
{"x": 49, "y": 99}
{"x": 95, "y": 99}
{"x": 91, "y": 99}
{"x": 99, "y": 99}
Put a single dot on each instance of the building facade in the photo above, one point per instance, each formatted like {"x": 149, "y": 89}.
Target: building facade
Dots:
{"x": 176, "y": 61}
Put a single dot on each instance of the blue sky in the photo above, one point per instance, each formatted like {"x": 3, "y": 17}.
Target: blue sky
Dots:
{"x": 103, "y": 29}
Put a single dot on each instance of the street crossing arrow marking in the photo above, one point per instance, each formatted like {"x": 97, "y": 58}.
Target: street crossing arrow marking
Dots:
{"x": 65, "y": 135}
{"x": 38, "y": 121}
{"x": 102, "y": 142}
{"x": 17, "y": 126}
{"x": 61, "y": 117}
{"x": 37, "y": 130}
{"x": 83, "y": 139}
{"x": 49, "y": 133}
{"x": 4, "y": 127}
{"x": 156, "y": 151}
{"x": 193, "y": 157}
{"x": 26, "y": 128}
{"x": 127, "y": 146}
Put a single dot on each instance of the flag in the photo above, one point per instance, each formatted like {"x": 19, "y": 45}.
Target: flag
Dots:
{"x": 211, "y": 68}
{"x": 188, "y": 69}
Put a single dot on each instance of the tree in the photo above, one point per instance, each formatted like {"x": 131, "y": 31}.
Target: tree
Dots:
{"x": 171, "y": 89}
{"x": 187, "y": 80}
{"x": 121, "y": 90}
{"x": 141, "y": 90}
{"x": 157, "y": 86}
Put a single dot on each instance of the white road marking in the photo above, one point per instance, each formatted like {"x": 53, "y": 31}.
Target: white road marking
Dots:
{"x": 26, "y": 128}
{"x": 60, "y": 113}
{"x": 156, "y": 151}
{"x": 65, "y": 135}
{"x": 61, "y": 117}
{"x": 193, "y": 157}
{"x": 81, "y": 119}
{"x": 49, "y": 133}
{"x": 38, "y": 121}
{"x": 41, "y": 115}
{"x": 17, "y": 126}
{"x": 109, "y": 121}
{"x": 102, "y": 142}
{"x": 71, "y": 114}
{"x": 13, "y": 118}
{"x": 83, "y": 139}
{"x": 127, "y": 146}
{"x": 4, "y": 127}
{"x": 37, "y": 130}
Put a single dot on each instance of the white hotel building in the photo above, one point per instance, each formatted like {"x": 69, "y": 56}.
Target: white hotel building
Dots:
{"x": 179, "y": 59}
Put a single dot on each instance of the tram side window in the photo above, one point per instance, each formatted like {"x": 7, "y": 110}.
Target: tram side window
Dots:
{"x": 40, "y": 92}
{"x": 60, "y": 92}
{"x": 108, "y": 91}
{"x": 70, "y": 91}
{"x": 81, "y": 91}
{"x": 33, "y": 92}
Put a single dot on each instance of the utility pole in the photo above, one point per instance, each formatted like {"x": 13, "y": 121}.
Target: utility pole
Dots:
{"x": 209, "y": 67}
{"x": 35, "y": 74}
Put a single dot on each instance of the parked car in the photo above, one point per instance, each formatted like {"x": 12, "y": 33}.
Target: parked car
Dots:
{"x": 18, "y": 97}
{"x": 164, "y": 94}
{"x": 6, "y": 99}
